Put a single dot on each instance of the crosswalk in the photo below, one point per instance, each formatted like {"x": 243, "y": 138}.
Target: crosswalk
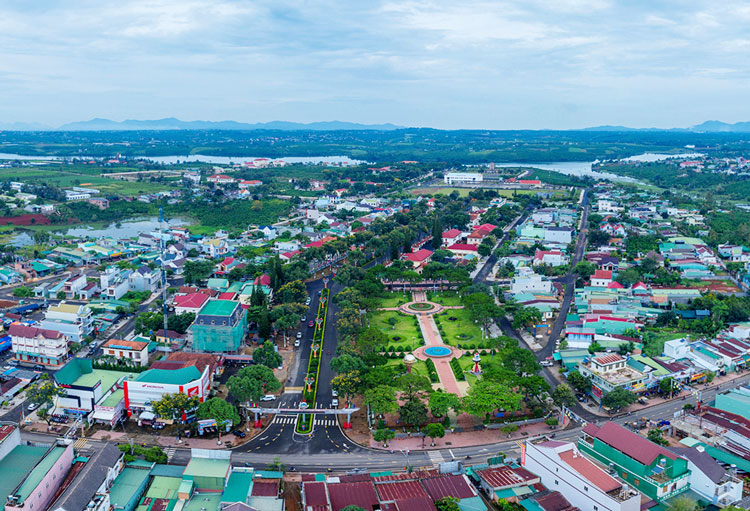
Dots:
{"x": 291, "y": 419}
{"x": 436, "y": 457}
{"x": 169, "y": 451}
{"x": 80, "y": 444}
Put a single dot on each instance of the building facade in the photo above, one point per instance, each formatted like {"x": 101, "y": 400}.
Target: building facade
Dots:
{"x": 220, "y": 326}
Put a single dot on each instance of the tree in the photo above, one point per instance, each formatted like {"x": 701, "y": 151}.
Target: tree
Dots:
{"x": 23, "y": 292}
{"x": 173, "y": 406}
{"x": 347, "y": 384}
{"x": 219, "y": 410}
{"x": 628, "y": 277}
{"x": 197, "y": 271}
{"x": 413, "y": 385}
{"x": 487, "y": 396}
{"x": 392, "y": 321}
{"x": 413, "y": 412}
{"x": 519, "y": 361}
{"x": 441, "y": 402}
{"x": 264, "y": 325}
{"x": 252, "y": 382}
{"x": 266, "y": 355}
{"x": 384, "y": 435}
{"x": 579, "y": 382}
{"x": 347, "y": 363}
{"x": 381, "y": 399}
{"x": 655, "y": 435}
{"x": 447, "y": 504}
{"x": 682, "y": 503}
{"x": 563, "y": 395}
{"x": 437, "y": 233}
{"x": 61, "y": 295}
{"x": 526, "y": 316}
{"x": 584, "y": 269}
{"x": 292, "y": 292}
{"x": 668, "y": 385}
{"x": 352, "y": 508}
{"x": 618, "y": 398}
{"x": 595, "y": 347}
{"x": 433, "y": 430}
{"x": 43, "y": 393}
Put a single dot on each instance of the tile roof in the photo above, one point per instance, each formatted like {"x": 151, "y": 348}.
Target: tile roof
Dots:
{"x": 701, "y": 459}
{"x": 588, "y": 470}
{"x": 415, "y": 504}
{"x": 419, "y": 256}
{"x": 265, "y": 489}
{"x": 357, "y": 494}
{"x": 448, "y": 486}
{"x": 608, "y": 359}
{"x": 18, "y": 330}
{"x": 315, "y": 493}
{"x": 463, "y": 246}
{"x": 400, "y": 490}
{"x": 122, "y": 344}
{"x": 192, "y": 300}
{"x": 631, "y": 444}
{"x": 451, "y": 233}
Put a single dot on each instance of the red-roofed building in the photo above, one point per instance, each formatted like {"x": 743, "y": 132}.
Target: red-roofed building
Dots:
{"x": 220, "y": 179}
{"x": 655, "y": 471}
{"x": 488, "y": 228}
{"x": 320, "y": 242}
{"x": 530, "y": 182}
{"x": 249, "y": 183}
{"x": 549, "y": 257}
{"x": 500, "y": 478}
{"x": 353, "y": 494}
{"x": 131, "y": 351}
{"x": 192, "y": 302}
{"x": 476, "y": 237}
{"x": 456, "y": 486}
{"x": 583, "y": 483}
{"x": 38, "y": 345}
{"x": 400, "y": 490}
{"x": 462, "y": 249}
{"x": 418, "y": 258}
{"x": 601, "y": 278}
{"x": 451, "y": 236}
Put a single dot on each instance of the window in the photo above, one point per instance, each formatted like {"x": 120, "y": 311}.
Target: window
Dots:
{"x": 557, "y": 469}
{"x": 636, "y": 482}
{"x": 596, "y": 508}
{"x": 557, "y": 482}
{"x": 585, "y": 488}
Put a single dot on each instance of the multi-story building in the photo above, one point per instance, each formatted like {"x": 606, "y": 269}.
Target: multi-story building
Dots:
{"x": 451, "y": 178}
{"x": 114, "y": 283}
{"x": 563, "y": 468}
{"x": 220, "y": 326}
{"x": 144, "y": 279}
{"x": 651, "y": 469}
{"x": 709, "y": 479}
{"x": 73, "y": 321}
{"x": 610, "y": 371}
{"x": 74, "y": 285}
{"x": 84, "y": 386}
{"x": 135, "y": 352}
{"x": 38, "y": 345}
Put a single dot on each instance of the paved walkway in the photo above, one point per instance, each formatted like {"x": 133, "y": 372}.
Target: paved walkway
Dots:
{"x": 432, "y": 337}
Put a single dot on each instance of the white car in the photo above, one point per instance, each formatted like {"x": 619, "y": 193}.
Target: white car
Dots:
{"x": 307, "y": 302}
{"x": 334, "y": 393}
{"x": 268, "y": 397}
{"x": 335, "y": 403}
{"x": 32, "y": 407}
{"x": 299, "y": 335}
{"x": 297, "y": 343}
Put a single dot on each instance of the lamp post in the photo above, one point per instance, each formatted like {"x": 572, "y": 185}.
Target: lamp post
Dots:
{"x": 309, "y": 380}
{"x": 315, "y": 349}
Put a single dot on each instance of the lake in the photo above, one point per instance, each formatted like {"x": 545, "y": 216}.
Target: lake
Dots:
{"x": 204, "y": 158}
{"x": 571, "y": 168}
{"x": 127, "y": 229}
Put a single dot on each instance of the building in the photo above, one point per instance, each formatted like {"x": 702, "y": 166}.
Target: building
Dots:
{"x": 71, "y": 320}
{"x": 74, "y": 285}
{"x": 220, "y": 179}
{"x": 184, "y": 373}
{"x": 463, "y": 249}
{"x": 563, "y": 468}
{"x": 114, "y": 283}
{"x": 501, "y": 482}
{"x": 38, "y": 345}
{"x": 84, "y": 386}
{"x": 32, "y": 475}
{"x": 419, "y": 258}
{"x": 134, "y": 352}
{"x": 549, "y": 257}
{"x": 220, "y": 326}
{"x": 530, "y": 283}
{"x": 651, "y": 469}
{"x": 462, "y": 178}
{"x": 89, "y": 489}
{"x": 144, "y": 279}
{"x": 610, "y": 371}
{"x": 99, "y": 202}
{"x": 601, "y": 278}
{"x": 451, "y": 237}
{"x": 708, "y": 478}
{"x": 192, "y": 302}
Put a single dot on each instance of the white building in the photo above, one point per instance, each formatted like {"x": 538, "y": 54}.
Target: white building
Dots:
{"x": 709, "y": 479}
{"x": 529, "y": 282}
{"x": 558, "y": 235}
{"x": 562, "y": 468}
{"x": 71, "y": 195}
{"x": 608, "y": 206}
{"x": 38, "y": 345}
{"x": 134, "y": 351}
{"x": 73, "y": 321}
{"x": 144, "y": 279}
{"x": 451, "y": 178}
{"x": 114, "y": 283}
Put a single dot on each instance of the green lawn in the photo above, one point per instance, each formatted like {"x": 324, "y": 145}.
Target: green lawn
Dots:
{"x": 406, "y": 329}
{"x": 67, "y": 179}
{"x": 461, "y": 326}
{"x": 658, "y": 337}
{"x": 393, "y": 300}
{"x": 419, "y": 368}
{"x": 449, "y": 299}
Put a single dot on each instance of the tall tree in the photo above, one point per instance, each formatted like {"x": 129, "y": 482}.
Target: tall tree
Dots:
{"x": 487, "y": 396}
{"x": 264, "y": 325}
{"x": 442, "y": 402}
{"x": 437, "y": 233}
{"x": 219, "y": 410}
{"x": 563, "y": 395}
{"x": 266, "y": 355}
{"x": 252, "y": 382}
{"x": 173, "y": 406}
{"x": 381, "y": 399}
{"x": 433, "y": 430}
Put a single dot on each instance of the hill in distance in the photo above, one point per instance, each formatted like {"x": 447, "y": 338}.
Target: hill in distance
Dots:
{"x": 172, "y": 123}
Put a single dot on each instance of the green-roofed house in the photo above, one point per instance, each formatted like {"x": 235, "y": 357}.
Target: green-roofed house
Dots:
{"x": 220, "y": 326}
{"x": 735, "y": 401}
{"x": 208, "y": 473}
{"x": 128, "y": 487}
{"x": 239, "y": 486}
{"x": 84, "y": 386}
{"x": 40, "y": 475}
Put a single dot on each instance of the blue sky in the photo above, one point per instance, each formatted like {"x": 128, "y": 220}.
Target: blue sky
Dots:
{"x": 445, "y": 64}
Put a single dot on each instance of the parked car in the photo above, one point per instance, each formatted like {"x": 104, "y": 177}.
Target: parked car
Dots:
{"x": 581, "y": 398}
{"x": 307, "y": 302}
{"x": 334, "y": 403}
{"x": 299, "y": 335}
{"x": 297, "y": 343}
{"x": 32, "y": 406}
{"x": 268, "y": 397}
{"x": 239, "y": 434}
{"x": 38, "y": 367}
{"x": 334, "y": 393}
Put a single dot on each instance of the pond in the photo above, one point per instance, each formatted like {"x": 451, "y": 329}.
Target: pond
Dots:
{"x": 437, "y": 351}
{"x": 127, "y": 229}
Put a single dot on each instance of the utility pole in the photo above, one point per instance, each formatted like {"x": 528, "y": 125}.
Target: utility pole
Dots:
{"x": 163, "y": 274}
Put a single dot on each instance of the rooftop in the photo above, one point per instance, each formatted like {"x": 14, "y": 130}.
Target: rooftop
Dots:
{"x": 588, "y": 470}
{"x": 167, "y": 376}
{"x": 126, "y": 485}
{"x": 37, "y": 474}
{"x": 629, "y": 443}
{"x": 219, "y": 308}
{"x": 16, "y": 465}
{"x": 206, "y": 467}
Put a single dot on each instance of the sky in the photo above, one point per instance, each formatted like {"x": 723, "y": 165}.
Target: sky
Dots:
{"x": 531, "y": 64}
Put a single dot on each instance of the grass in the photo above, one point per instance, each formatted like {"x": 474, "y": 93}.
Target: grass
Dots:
{"x": 448, "y": 299}
{"x": 462, "y": 326}
{"x": 393, "y": 300}
{"x": 406, "y": 329}
{"x": 464, "y": 192}
{"x": 67, "y": 179}
{"x": 657, "y": 338}
{"x": 419, "y": 368}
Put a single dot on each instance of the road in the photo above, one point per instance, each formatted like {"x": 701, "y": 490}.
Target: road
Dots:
{"x": 341, "y": 460}
{"x": 484, "y": 272}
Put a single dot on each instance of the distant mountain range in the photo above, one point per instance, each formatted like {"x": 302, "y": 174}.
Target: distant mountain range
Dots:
{"x": 171, "y": 123}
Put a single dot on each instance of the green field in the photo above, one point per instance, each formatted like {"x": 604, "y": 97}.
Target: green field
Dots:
{"x": 462, "y": 326}
{"x": 419, "y": 368}
{"x": 406, "y": 329}
{"x": 65, "y": 179}
{"x": 393, "y": 300}
{"x": 464, "y": 192}
{"x": 449, "y": 299}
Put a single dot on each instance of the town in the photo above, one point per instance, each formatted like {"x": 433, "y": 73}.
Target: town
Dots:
{"x": 269, "y": 335}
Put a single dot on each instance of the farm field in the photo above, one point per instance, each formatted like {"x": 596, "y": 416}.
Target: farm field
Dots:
{"x": 65, "y": 179}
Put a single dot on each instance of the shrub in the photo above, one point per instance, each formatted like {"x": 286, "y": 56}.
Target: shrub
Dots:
{"x": 457, "y": 371}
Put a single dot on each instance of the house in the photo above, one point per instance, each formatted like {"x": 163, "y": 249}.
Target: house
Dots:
{"x": 451, "y": 236}
{"x": 99, "y": 202}
{"x": 601, "y": 278}
{"x": 135, "y": 352}
{"x": 562, "y": 235}
{"x": 582, "y": 482}
{"x": 611, "y": 371}
{"x": 708, "y": 478}
{"x": 38, "y": 345}
{"x": 89, "y": 290}
{"x": 214, "y": 247}
{"x": 496, "y": 481}
{"x": 74, "y": 284}
{"x": 653, "y": 470}
{"x": 220, "y": 326}
{"x": 89, "y": 488}
{"x": 529, "y": 282}
{"x": 145, "y": 279}
{"x": 463, "y": 249}
{"x": 84, "y": 386}
{"x": 419, "y": 258}
{"x": 249, "y": 183}
{"x": 71, "y": 320}
{"x": 549, "y": 257}
{"x": 114, "y": 282}
{"x": 220, "y": 179}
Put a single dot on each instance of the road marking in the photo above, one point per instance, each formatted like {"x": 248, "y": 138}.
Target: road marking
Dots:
{"x": 453, "y": 457}
{"x": 170, "y": 452}
{"x": 436, "y": 457}
{"x": 80, "y": 444}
